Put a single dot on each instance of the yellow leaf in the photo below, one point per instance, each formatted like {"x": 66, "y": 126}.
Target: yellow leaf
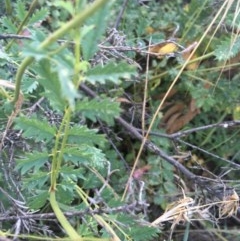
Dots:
{"x": 163, "y": 49}
{"x": 168, "y": 48}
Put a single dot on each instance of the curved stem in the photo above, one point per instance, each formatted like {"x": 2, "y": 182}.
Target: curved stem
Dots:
{"x": 75, "y": 22}
{"x": 26, "y": 62}
{"x": 8, "y": 7}
{"x": 62, "y": 219}
{"x": 57, "y": 155}
{"x": 66, "y": 124}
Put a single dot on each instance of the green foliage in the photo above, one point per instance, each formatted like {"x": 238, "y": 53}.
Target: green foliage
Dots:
{"x": 104, "y": 109}
{"x": 20, "y": 13}
{"x": 86, "y": 155}
{"x": 20, "y": 10}
{"x": 39, "y": 15}
{"x": 112, "y": 72}
{"x": 39, "y": 130}
{"x": 9, "y": 25}
{"x": 98, "y": 26}
{"x": 69, "y": 144}
{"x": 83, "y": 135}
{"x": 130, "y": 228}
{"x": 143, "y": 233}
{"x": 162, "y": 177}
{"x": 49, "y": 80}
{"x": 226, "y": 49}
{"x": 37, "y": 201}
{"x": 32, "y": 161}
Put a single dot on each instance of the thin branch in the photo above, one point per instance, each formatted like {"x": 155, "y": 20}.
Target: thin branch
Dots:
{"x": 125, "y": 208}
{"x": 152, "y": 147}
{"x": 209, "y": 153}
{"x": 14, "y": 36}
{"x": 225, "y": 124}
{"x": 199, "y": 180}
{"x": 120, "y": 14}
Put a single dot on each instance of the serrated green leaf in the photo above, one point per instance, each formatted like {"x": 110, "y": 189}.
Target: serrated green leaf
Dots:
{"x": 32, "y": 50}
{"x": 36, "y": 181}
{"x": 39, "y": 15}
{"x": 90, "y": 40}
{"x": 65, "y": 192}
{"x": 82, "y": 135}
{"x": 65, "y": 5}
{"x": 49, "y": 80}
{"x": 112, "y": 72}
{"x": 68, "y": 90}
{"x": 227, "y": 49}
{"x": 86, "y": 155}
{"x": 7, "y": 23}
{"x": 40, "y": 130}
{"x": 71, "y": 172}
{"x": 104, "y": 109}
{"x": 39, "y": 200}
{"x": 20, "y": 10}
{"x": 143, "y": 233}
{"x": 38, "y": 36}
{"x": 32, "y": 162}
{"x": 132, "y": 229}
{"x": 29, "y": 85}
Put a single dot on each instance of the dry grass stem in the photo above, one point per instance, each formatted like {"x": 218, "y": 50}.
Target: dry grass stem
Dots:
{"x": 176, "y": 212}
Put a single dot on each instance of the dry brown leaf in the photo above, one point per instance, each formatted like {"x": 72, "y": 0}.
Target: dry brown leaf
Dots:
{"x": 181, "y": 122}
{"x": 173, "y": 121}
{"x": 178, "y": 107}
{"x": 170, "y": 94}
{"x": 179, "y": 115}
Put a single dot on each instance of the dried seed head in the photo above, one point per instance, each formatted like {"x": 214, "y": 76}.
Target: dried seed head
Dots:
{"x": 229, "y": 206}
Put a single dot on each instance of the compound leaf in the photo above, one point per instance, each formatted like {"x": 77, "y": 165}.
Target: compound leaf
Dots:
{"x": 83, "y": 135}
{"x": 112, "y": 72}
{"x": 40, "y": 130}
{"x": 32, "y": 161}
{"x": 104, "y": 109}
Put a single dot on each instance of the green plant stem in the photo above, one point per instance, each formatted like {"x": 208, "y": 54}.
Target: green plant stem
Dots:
{"x": 27, "y": 61}
{"x": 54, "y": 172}
{"x": 57, "y": 154}
{"x": 20, "y": 28}
{"x": 97, "y": 217}
{"x": 8, "y": 7}
{"x": 62, "y": 219}
{"x": 75, "y": 22}
{"x": 67, "y": 118}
